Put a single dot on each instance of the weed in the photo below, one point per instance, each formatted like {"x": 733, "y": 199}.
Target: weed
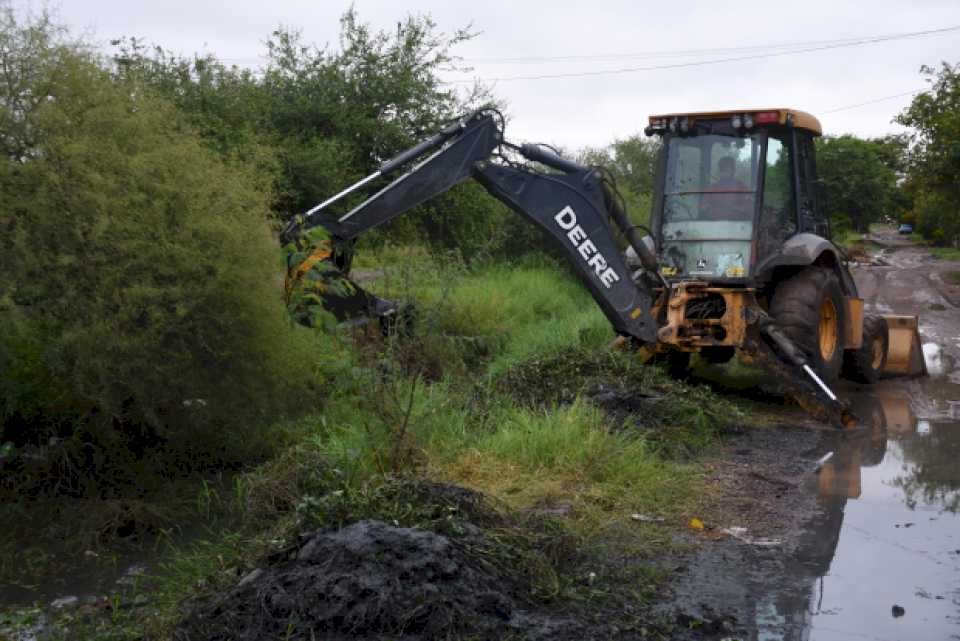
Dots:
{"x": 536, "y": 458}
{"x": 851, "y": 241}
{"x": 207, "y": 497}
{"x": 494, "y": 315}
{"x": 676, "y": 418}
{"x": 946, "y": 253}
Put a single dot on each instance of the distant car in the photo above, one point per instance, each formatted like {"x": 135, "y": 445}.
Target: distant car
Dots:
{"x": 905, "y": 229}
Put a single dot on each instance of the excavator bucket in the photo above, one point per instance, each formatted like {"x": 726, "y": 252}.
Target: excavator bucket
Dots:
{"x": 904, "y": 350}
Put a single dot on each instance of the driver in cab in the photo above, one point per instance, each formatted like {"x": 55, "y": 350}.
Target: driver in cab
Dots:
{"x": 727, "y": 198}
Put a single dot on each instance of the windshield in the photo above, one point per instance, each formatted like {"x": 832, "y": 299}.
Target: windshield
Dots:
{"x": 711, "y": 178}
{"x": 710, "y": 197}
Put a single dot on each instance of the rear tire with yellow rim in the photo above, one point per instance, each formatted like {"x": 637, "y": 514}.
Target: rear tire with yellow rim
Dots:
{"x": 809, "y": 309}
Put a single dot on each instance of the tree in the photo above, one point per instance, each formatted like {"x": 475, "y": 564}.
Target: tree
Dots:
{"x": 859, "y": 179}
{"x": 934, "y": 160}
{"x": 317, "y": 119}
{"x": 632, "y": 161}
{"x": 139, "y": 294}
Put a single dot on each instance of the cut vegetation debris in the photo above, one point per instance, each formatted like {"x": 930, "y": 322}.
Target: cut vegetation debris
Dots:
{"x": 425, "y": 560}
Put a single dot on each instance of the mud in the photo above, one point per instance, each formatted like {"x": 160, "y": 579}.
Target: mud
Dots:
{"x": 762, "y": 484}
{"x": 369, "y": 580}
{"x": 468, "y": 570}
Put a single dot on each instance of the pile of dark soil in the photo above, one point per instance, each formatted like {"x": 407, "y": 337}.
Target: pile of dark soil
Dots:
{"x": 371, "y": 580}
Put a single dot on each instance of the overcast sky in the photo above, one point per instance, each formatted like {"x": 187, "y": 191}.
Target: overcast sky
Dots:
{"x": 594, "y": 110}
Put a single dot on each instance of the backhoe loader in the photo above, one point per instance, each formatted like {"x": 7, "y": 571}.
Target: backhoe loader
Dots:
{"x": 737, "y": 260}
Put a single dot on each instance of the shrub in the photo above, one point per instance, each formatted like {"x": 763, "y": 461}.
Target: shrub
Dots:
{"x": 140, "y": 290}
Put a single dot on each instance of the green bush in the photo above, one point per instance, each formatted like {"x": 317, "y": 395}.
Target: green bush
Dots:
{"x": 331, "y": 116}
{"x": 140, "y": 286}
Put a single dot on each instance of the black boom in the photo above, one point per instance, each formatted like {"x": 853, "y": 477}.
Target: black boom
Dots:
{"x": 573, "y": 208}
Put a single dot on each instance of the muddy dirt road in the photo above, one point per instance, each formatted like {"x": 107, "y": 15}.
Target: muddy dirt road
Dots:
{"x": 869, "y": 546}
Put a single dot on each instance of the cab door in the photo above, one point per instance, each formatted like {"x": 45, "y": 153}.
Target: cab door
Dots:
{"x": 811, "y": 217}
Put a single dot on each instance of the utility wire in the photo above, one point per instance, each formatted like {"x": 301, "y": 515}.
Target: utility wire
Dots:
{"x": 875, "y": 100}
{"x": 701, "y": 63}
{"x": 660, "y": 54}
{"x": 675, "y": 53}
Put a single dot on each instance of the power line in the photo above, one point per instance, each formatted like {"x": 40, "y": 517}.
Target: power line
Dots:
{"x": 701, "y": 63}
{"x": 673, "y": 53}
{"x": 875, "y": 100}
{"x": 670, "y": 53}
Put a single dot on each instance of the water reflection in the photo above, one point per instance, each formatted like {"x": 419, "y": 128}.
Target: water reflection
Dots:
{"x": 887, "y": 536}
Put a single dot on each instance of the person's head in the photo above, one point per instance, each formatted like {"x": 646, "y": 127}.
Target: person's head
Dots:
{"x": 726, "y": 167}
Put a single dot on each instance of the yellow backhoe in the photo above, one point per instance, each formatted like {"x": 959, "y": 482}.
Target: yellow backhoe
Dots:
{"x": 737, "y": 259}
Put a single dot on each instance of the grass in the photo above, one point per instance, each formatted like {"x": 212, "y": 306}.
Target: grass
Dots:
{"x": 500, "y": 313}
{"x": 521, "y": 455}
{"x": 491, "y": 393}
{"x": 946, "y": 253}
{"x": 848, "y": 238}
{"x": 570, "y": 456}
{"x": 538, "y": 310}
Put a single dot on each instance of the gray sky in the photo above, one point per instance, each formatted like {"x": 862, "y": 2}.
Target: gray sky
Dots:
{"x": 594, "y": 110}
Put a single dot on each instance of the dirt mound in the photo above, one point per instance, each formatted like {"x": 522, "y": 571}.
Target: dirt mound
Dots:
{"x": 368, "y": 580}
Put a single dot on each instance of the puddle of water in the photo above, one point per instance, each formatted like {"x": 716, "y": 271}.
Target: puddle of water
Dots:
{"x": 933, "y": 356}
{"x": 73, "y": 575}
{"x": 882, "y": 560}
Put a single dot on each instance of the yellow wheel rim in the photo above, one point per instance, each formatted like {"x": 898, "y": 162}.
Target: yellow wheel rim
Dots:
{"x": 876, "y": 349}
{"x": 828, "y": 330}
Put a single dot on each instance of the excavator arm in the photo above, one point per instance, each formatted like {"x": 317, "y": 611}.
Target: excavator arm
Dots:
{"x": 572, "y": 205}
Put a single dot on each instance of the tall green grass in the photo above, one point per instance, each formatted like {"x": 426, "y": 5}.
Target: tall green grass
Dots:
{"x": 523, "y": 456}
{"x": 505, "y": 313}
{"x": 534, "y": 310}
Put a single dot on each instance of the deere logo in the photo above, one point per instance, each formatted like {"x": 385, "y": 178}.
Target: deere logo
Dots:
{"x": 567, "y": 219}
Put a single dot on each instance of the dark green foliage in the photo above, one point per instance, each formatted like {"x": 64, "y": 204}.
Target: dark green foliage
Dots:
{"x": 140, "y": 296}
{"x": 632, "y": 161}
{"x": 318, "y": 120}
{"x": 223, "y": 103}
{"x": 678, "y": 417}
{"x": 935, "y": 154}
{"x": 860, "y": 180}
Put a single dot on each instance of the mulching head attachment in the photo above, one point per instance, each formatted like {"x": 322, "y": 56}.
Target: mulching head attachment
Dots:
{"x": 319, "y": 294}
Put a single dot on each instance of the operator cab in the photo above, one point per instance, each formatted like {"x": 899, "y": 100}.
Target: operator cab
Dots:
{"x": 731, "y": 187}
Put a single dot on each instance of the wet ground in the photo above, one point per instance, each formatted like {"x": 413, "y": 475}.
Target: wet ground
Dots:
{"x": 867, "y": 544}
{"x": 813, "y": 534}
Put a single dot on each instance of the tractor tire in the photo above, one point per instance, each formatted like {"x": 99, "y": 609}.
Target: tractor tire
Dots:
{"x": 865, "y": 365}
{"x": 809, "y": 309}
